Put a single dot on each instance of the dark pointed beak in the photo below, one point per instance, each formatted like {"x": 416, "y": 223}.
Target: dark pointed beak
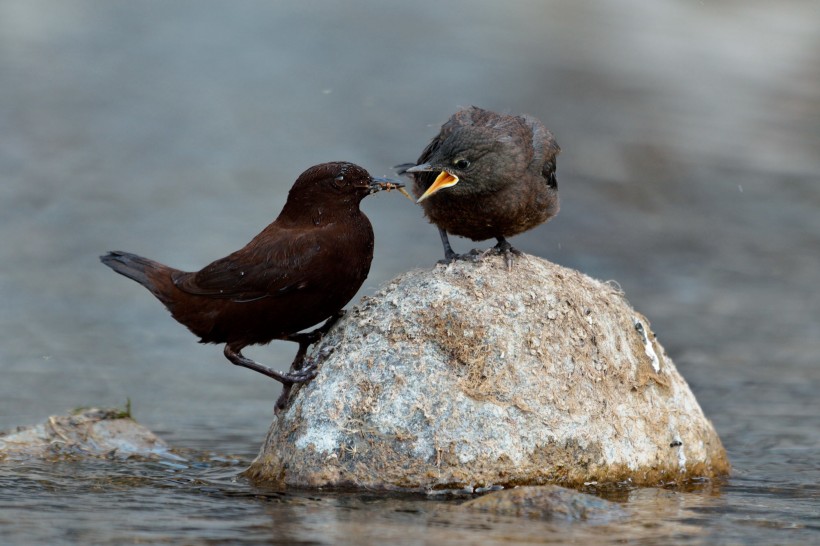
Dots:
{"x": 424, "y": 167}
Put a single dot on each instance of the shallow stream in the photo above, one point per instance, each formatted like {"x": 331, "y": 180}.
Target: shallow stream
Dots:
{"x": 690, "y": 174}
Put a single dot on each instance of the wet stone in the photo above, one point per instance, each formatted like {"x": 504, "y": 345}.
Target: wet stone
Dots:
{"x": 547, "y": 502}
{"x": 432, "y": 384}
{"x": 91, "y": 432}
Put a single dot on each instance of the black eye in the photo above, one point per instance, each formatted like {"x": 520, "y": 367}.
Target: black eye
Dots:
{"x": 461, "y": 163}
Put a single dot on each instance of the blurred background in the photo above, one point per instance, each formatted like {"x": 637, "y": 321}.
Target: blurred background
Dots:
{"x": 689, "y": 174}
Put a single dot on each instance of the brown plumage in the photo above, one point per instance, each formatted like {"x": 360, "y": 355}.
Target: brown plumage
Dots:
{"x": 487, "y": 175}
{"x": 300, "y": 270}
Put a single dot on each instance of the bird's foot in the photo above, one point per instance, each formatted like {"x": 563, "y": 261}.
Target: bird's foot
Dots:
{"x": 282, "y": 401}
{"x": 472, "y": 256}
{"x": 308, "y": 368}
{"x": 298, "y": 369}
{"x": 298, "y": 374}
{"x": 505, "y": 249}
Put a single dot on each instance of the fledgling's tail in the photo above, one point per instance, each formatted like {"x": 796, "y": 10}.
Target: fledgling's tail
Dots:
{"x": 146, "y": 272}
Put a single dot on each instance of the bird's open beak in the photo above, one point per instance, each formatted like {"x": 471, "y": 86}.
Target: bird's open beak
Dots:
{"x": 443, "y": 180}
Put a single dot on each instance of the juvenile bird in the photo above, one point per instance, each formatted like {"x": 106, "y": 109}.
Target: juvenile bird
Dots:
{"x": 487, "y": 175}
{"x": 300, "y": 270}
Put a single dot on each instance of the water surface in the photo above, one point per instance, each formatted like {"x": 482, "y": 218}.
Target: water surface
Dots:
{"x": 689, "y": 174}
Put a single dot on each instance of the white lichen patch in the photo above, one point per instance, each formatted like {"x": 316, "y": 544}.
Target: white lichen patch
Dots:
{"x": 649, "y": 350}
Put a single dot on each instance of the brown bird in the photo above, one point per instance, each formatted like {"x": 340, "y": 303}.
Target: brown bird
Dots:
{"x": 487, "y": 175}
{"x": 300, "y": 270}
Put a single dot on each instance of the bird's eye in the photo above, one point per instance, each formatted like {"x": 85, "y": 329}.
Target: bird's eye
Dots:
{"x": 340, "y": 182}
{"x": 461, "y": 163}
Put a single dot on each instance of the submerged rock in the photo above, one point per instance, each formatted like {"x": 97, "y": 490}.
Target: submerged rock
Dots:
{"x": 470, "y": 375}
{"x": 91, "y": 432}
{"x": 548, "y": 502}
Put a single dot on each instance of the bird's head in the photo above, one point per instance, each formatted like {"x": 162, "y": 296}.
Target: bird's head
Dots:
{"x": 473, "y": 160}
{"x": 342, "y": 180}
{"x": 330, "y": 187}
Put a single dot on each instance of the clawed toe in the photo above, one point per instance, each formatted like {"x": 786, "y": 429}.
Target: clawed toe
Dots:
{"x": 472, "y": 256}
{"x": 505, "y": 249}
{"x": 304, "y": 374}
{"x": 475, "y": 255}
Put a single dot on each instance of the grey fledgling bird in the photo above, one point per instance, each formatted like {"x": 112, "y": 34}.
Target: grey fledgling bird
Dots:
{"x": 487, "y": 175}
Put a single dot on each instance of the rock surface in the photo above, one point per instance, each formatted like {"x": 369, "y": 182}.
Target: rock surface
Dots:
{"x": 91, "y": 432}
{"x": 468, "y": 375}
{"x": 548, "y": 502}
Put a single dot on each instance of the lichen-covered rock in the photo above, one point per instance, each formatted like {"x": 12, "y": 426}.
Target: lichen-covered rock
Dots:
{"x": 470, "y": 375}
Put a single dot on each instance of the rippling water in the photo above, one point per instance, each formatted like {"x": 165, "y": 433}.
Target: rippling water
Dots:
{"x": 203, "y": 502}
{"x": 689, "y": 174}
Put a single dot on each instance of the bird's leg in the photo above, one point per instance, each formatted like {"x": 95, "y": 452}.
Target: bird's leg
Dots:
{"x": 449, "y": 255}
{"x": 234, "y": 354}
{"x": 305, "y": 340}
{"x": 504, "y": 248}
{"x": 295, "y": 366}
{"x": 331, "y": 322}
{"x": 315, "y": 335}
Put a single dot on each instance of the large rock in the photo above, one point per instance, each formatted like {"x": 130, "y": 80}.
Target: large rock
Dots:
{"x": 468, "y": 375}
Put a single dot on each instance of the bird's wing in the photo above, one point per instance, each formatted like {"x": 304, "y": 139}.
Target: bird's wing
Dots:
{"x": 276, "y": 262}
{"x": 545, "y": 150}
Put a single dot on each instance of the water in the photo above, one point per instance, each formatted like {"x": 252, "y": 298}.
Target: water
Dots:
{"x": 689, "y": 174}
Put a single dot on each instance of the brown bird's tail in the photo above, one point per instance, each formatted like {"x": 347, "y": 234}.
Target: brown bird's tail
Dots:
{"x": 147, "y": 272}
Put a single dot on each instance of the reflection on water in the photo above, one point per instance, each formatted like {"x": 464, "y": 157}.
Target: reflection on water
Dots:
{"x": 104, "y": 502}
{"x": 689, "y": 168}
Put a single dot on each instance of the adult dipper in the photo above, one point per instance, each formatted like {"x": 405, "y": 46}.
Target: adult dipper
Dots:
{"x": 300, "y": 270}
